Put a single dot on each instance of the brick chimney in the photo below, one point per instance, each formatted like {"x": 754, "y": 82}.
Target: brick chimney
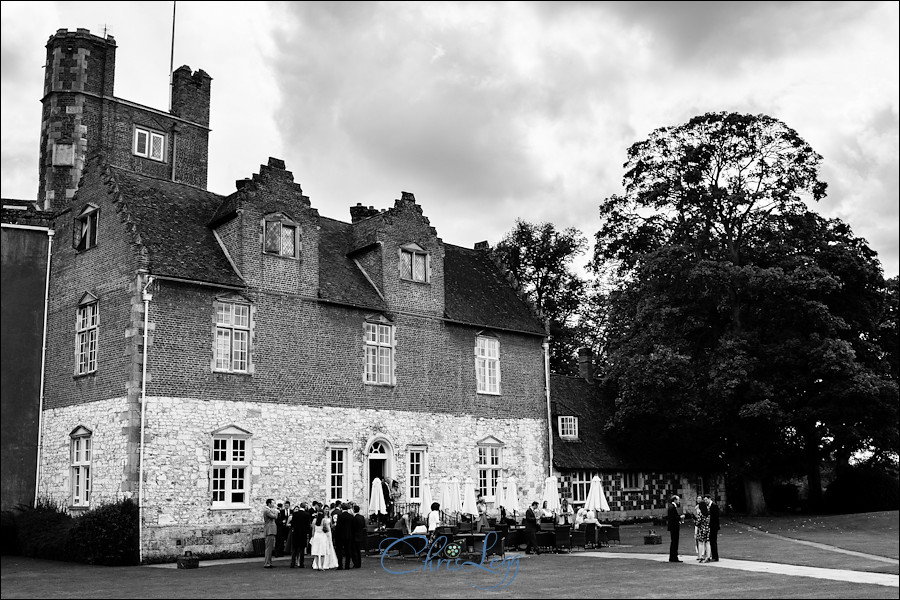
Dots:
{"x": 586, "y": 364}
{"x": 360, "y": 212}
{"x": 190, "y": 95}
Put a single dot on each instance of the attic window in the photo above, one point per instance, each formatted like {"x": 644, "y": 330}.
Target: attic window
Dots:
{"x": 85, "y": 228}
{"x": 568, "y": 427}
{"x": 281, "y": 237}
{"x": 149, "y": 144}
{"x": 414, "y": 263}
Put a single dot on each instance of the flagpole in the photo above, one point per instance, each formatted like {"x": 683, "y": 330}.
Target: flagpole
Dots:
{"x": 172, "y": 58}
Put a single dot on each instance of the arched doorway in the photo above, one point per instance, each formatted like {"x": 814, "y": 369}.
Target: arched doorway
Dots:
{"x": 380, "y": 462}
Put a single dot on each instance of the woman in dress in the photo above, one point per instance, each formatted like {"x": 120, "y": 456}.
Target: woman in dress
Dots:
{"x": 702, "y": 532}
{"x": 321, "y": 546}
{"x": 566, "y": 513}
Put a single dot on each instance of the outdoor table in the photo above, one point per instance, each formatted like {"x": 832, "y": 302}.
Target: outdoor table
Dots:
{"x": 470, "y": 539}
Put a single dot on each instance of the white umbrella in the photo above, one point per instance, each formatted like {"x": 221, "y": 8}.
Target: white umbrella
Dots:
{"x": 444, "y": 495}
{"x": 455, "y": 505}
{"x": 377, "y": 504}
{"x": 500, "y": 494}
{"x": 511, "y": 498}
{"x": 469, "y": 505}
{"x": 596, "y": 499}
{"x": 426, "y": 498}
{"x": 551, "y": 493}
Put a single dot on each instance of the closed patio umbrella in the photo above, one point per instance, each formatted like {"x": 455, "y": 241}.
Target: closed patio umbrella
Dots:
{"x": 511, "y": 498}
{"x": 500, "y": 494}
{"x": 377, "y": 504}
{"x": 426, "y": 498}
{"x": 444, "y": 495}
{"x": 596, "y": 498}
{"x": 455, "y": 505}
{"x": 469, "y": 506}
{"x": 551, "y": 493}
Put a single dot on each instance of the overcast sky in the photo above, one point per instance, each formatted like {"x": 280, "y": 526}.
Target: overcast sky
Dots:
{"x": 489, "y": 111}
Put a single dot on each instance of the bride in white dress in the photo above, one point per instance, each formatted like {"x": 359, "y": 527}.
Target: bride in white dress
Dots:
{"x": 321, "y": 546}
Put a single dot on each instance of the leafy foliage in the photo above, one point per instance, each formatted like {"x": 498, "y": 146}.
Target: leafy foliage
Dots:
{"x": 540, "y": 258}
{"x": 745, "y": 334}
{"x": 106, "y": 535}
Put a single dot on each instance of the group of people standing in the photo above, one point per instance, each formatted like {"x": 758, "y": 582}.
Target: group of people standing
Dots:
{"x": 706, "y": 528}
{"x": 334, "y": 535}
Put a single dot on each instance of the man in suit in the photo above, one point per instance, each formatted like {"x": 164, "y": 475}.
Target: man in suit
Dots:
{"x": 674, "y": 519}
{"x": 531, "y": 529}
{"x": 281, "y": 530}
{"x": 359, "y": 537}
{"x": 270, "y": 528}
{"x": 713, "y": 528}
{"x": 343, "y": 536}
{"x": 301, "y": 523}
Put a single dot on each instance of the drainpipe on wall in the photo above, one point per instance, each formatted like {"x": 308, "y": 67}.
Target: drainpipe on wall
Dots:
{"x": 147, "y": 297}
{"x": 40, "y": 440}
{"x": 549, "y": 417}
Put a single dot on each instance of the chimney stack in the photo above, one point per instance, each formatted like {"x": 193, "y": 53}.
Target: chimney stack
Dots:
{"x": 586, "y": 364}
{"x": 360, "y": 212}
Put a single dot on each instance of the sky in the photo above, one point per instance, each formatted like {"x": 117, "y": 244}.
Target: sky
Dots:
{"x": 489, "y": 112}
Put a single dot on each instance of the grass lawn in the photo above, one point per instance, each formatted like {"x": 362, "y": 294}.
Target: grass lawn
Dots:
{"x": 871, "y": 533}
{"x": 550, "y": 575}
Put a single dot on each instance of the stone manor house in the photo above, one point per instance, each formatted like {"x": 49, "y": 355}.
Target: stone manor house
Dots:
{"x": 206, "y": 352}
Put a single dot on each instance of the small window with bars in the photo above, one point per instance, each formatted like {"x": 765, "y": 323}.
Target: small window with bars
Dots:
{"x": 229, "y": 482}
{"x": 87, "y": 331}
{"x": 568, "y": 427}
{"x": 632, "y": 480}
{"x": 487, "y": 364}
{"x": 414, "y": 264}
{"x": 379, "y": 350}
{"x": 232, "y": 346}
{"x": 281, "y": 237}
{"x": 81, "y": 453}
{"x": 149, "y": 144}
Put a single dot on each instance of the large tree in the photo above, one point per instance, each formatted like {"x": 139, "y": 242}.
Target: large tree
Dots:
{"x": 540, "y": 257}
{"x": 744, "y": 333}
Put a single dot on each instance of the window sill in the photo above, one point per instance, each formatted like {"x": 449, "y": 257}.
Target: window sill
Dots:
{"x": 83, "y": 375}
{"x": 569, "y": 438}
{"x": 236, "y": 373}
{"x": 235, "y": 507}
{"x": 384, "y": 385}
{"x": 415, "y": 281}
{"x": 80, "y": 508}
{"x": 489, "y": 393}
{"x": 273, "y": 255}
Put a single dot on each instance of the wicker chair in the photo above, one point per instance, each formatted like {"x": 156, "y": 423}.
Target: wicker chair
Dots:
{"x": 563, "y": 537}
{"x": 579, "y": 539}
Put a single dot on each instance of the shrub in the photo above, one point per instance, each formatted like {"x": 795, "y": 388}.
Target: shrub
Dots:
{"x": 107, "y": 535}
{"x": 9, "y": 544}
{"x": 42, "y": 531}
{"x": 863, "y": 489}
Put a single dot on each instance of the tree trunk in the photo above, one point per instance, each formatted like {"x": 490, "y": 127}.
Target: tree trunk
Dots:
{"x": 753, "y": 492}
{"x": 813, "y": 473}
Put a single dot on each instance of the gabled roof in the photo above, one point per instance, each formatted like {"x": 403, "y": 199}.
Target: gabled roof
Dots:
{"x": 574, "y": 396}
{"x": 171, "y": 219}
{"x": 340, "y": 280}
{"x": 475, "y": 291}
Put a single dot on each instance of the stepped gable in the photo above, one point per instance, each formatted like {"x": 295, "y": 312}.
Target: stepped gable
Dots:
{"x": 477, "y": 292}
{"x": 171, "y": 222}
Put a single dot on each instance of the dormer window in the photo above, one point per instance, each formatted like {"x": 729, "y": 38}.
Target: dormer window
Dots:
{"x": 281, "y": 237}
{"x": 414, "y": 263}
{"x": 149, "y": 144}
{"x": 85, "y": 228}
{"x": 568, "y": 427}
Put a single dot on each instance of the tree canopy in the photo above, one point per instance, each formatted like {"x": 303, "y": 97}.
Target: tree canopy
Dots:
{"x": 745, "y": 335}
{"x": 540, "y": 258}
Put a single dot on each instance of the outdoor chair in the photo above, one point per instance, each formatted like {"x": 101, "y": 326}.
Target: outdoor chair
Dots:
{"x": 563, "y": 538}
{"x": 602, "y": 537}
{"x": 498, "y": 548}
{"x": 464, "y": 528}
{"x": 612, "y": 534}
{"x": 590, "y": 534}
{"x": 579, "y": 539}
{"x": 548, "y": 527}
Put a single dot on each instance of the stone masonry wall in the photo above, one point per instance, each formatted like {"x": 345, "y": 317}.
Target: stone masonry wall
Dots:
{"x": 288, "y": 459}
